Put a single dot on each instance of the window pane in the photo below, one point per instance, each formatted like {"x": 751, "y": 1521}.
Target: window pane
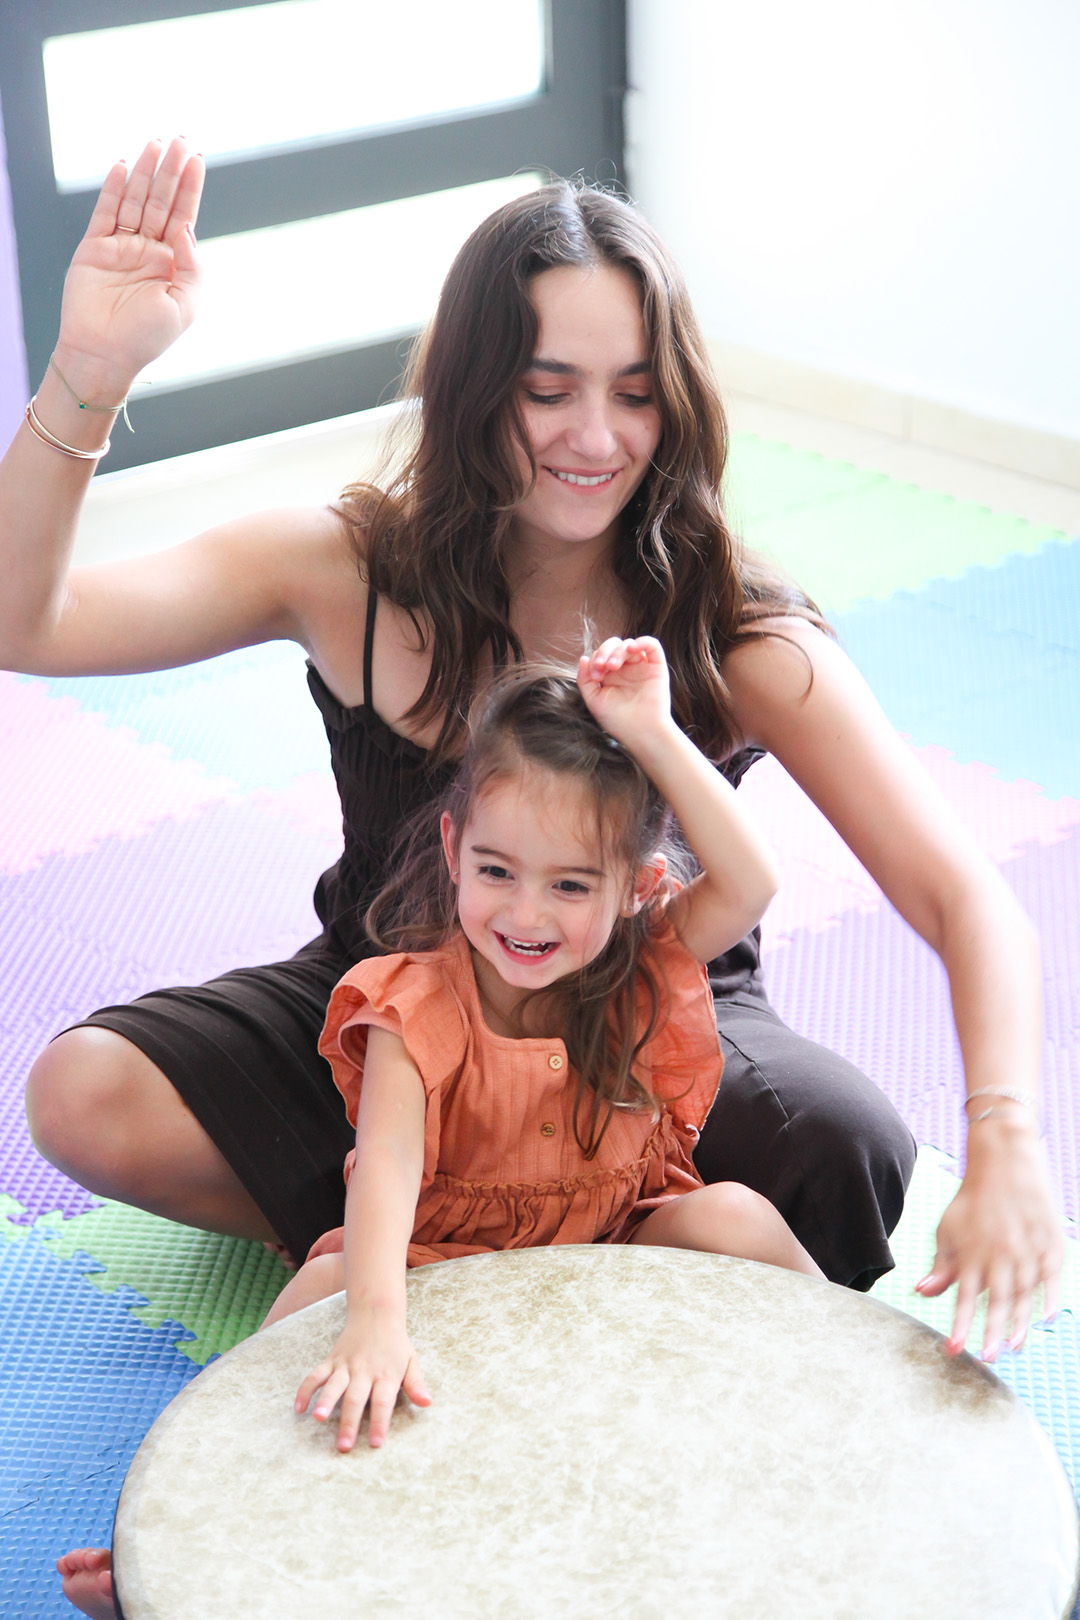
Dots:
{"x": 281, "y": 75}
{"x": 319, "y": 285}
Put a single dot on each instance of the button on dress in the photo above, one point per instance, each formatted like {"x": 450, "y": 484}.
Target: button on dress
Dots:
{"x": 502, "y": 1166}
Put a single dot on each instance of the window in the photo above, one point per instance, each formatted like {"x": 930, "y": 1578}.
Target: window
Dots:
{"x": 351, "y": 146}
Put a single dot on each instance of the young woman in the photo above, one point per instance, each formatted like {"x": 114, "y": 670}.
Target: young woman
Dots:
{"x": 568, "y": 463}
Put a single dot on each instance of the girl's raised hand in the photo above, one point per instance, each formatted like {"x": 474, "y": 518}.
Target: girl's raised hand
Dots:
{"x": 627, "y": 688}
{"x": 131, "y": 288}
{"x": 370, "y": 1362}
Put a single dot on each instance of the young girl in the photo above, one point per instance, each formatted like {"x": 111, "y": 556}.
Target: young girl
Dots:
{"x": 535, "y": 1065}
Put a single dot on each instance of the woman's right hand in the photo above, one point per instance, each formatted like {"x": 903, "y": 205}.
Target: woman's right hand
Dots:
{"x": 131, "y": 288}
{"x": 370, "y": 1362}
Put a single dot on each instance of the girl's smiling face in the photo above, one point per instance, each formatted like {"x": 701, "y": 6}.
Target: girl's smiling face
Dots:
{"x": 587, "y": 403}
{"x": 537, "y": 899}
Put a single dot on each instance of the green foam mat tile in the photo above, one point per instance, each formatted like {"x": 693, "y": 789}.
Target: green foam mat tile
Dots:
{"x": 846, "y": 534}
{"x": 933, "y": 1186}
{"x": 218, "y": 1288}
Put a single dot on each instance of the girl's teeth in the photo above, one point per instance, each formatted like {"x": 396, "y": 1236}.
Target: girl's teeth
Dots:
{"x": 579, "y": 478}
{"x": 528, "y": 949}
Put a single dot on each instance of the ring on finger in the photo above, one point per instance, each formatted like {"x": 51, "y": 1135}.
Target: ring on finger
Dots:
{"x": 129, "y": 230}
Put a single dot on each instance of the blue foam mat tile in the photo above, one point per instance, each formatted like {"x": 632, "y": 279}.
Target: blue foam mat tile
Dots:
{"x": 1045, "y": 1374}
{"x": 999, "y": 698}
{"x": 1036, "y": 595}
{"x": 83, "y": 1381}
{"x": 247, "y": 715}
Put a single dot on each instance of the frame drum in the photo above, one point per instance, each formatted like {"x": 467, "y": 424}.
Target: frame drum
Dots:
{"x": 614, "y": 1431}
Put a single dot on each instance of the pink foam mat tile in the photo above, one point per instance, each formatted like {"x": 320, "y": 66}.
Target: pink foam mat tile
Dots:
{"x": 821, "y": 879}
{"x": 72, "y": 780}
{"x": 310, "y": 803}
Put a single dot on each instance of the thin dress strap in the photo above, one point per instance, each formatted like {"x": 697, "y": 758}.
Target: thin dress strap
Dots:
{"x": 369, "y": 645}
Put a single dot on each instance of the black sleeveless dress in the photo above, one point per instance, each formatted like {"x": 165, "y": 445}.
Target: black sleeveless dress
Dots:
{"x": 792, "y": 1119}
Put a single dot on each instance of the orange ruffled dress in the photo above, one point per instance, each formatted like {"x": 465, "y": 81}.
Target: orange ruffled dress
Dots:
{"x": 502, "y": 1167}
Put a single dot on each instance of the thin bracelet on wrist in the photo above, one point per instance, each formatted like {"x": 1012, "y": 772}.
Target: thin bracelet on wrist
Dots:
{"x": 1024, "y": 1098}
{"x": 40, "y": 431}
{"x": 84, "y": 405}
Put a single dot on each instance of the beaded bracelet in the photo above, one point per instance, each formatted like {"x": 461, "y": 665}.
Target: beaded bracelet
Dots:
{"x": 84, "y": 405}
{"x": 1025, "y": 1099}
{"x": 40, "y": 431}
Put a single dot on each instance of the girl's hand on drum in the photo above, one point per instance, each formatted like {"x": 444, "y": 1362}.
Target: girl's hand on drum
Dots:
{"x": 132, "y": 285}
{"x": 626, "y": 686}
{"x": 370, "y": 1362}
{"x": 1001, "y": 1232}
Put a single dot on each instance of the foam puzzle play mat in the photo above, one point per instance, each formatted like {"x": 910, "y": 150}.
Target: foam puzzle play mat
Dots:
{"x": 162, "y": 828}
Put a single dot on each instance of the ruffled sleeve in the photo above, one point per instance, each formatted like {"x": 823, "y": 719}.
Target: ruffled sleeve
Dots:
{"x": 411, "y": 996}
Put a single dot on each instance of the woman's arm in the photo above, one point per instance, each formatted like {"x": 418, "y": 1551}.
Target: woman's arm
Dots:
{"x": 129, "y": 294}
{"x": 373, "y": 1358}
{"x": 799, "y": 696}
{"x": 625, "y": 684}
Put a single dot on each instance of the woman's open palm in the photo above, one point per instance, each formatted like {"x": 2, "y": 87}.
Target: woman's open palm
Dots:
{"x": 132, "y": 285}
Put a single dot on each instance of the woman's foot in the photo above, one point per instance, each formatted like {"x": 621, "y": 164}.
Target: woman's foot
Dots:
{"x": 87, "y": 1577}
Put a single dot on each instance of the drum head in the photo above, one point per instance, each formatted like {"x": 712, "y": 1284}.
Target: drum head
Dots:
{"x": 624, "y": 1431}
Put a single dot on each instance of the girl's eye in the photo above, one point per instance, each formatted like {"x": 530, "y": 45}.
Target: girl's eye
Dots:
{"x": 570, "y": 886}
{"x": 496, "y": 872}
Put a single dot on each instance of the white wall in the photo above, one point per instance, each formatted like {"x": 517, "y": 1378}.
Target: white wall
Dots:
{"x": 886, "y": 189}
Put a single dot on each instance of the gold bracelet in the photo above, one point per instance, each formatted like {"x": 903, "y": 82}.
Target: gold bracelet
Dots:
{"x": 82, "y": 403}
{"x": 40, "y": 431}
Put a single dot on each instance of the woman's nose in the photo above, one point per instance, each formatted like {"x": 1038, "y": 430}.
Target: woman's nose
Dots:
{"x": 593, "y": 433}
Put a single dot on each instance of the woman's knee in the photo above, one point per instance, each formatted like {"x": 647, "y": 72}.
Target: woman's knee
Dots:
{"x": 81, "y": 1093}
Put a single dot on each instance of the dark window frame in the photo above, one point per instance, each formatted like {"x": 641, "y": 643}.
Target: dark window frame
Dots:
{"x": 573, "y": 126}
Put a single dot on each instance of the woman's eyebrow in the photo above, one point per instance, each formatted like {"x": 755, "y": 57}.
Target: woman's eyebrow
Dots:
{"x": 562, "y": 368}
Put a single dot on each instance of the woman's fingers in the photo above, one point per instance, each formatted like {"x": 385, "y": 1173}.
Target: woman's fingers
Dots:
{"x": 130, "y": 212}
{"x": 103, "y": 219}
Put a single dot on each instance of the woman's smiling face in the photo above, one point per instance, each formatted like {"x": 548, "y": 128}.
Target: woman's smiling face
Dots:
{"x": 587, "y": 402}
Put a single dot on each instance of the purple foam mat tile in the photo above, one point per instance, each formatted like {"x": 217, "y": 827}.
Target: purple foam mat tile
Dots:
{"x": 1046, "y": 881}
{"x": 220, "y": 885}
{"x": 870, "y": 989}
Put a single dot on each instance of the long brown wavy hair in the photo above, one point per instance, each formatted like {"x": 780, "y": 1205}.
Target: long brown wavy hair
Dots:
{"x": 534, "y": 717}
{"x": 435, "y": 541}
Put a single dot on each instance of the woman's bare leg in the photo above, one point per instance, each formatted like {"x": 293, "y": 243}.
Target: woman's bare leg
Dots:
{"x": 727, "y": 1218}
{"x": 106, "y": 1116}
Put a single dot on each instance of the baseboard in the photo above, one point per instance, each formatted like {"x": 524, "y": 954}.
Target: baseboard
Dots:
{"x": 1050, "y": 456}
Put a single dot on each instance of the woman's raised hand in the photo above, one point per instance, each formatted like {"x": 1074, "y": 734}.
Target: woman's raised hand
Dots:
{"x": 627, "y": 687}
{"x": 131, "y": 288}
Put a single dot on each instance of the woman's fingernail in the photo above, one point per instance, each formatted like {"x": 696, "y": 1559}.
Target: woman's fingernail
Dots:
{"x": 990, "y": 1351}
